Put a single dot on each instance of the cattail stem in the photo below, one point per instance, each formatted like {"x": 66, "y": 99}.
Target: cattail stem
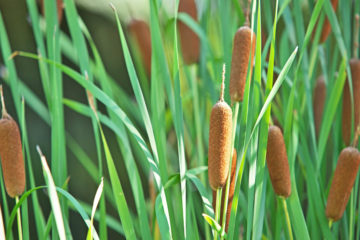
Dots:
{"x": 19, "y": 219}
{"x": 288, "y": 223}
{"x": 356, "y": 137}
{"x": 330, "y": 223}
{"x": 234, "y": 121}
{"x": 247, "y": 13}
{"x": 217, "y": 210}
{"x": 222, "y": 84}
{"x": 351, "y": 216}
{"x": 356, "y": 36}
{"x": 4, "y": 112}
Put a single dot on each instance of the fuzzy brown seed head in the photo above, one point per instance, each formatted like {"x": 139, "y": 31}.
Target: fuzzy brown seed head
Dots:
{"x": 231, "y": 192}
{"x": 190, "y": 43}
{"x": 277, "y": 162}
{"x": 346, "y": 112}
{"x": 219, "y": 144}
{"x": 59, "y": 6}
{"x": 141, "y": 33}
{"x": 342, "y": 183}
{"x": 319, "y": 102}
{"x": 327, "y": 26}
{"x": 12, "y": 160}
{"x": 244, "y": 43}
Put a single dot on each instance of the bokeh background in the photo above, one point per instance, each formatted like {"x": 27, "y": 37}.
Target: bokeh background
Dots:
{"x": 100, "y": 21}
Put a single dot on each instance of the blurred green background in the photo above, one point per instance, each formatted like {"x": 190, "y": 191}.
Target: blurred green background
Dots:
{"x": 103, "y": 29}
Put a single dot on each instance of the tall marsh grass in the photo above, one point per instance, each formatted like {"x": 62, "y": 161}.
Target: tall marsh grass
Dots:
{"x": 161, "y": 128}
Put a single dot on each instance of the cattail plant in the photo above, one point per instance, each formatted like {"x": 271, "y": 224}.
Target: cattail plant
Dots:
{"x": 219, "y": 141}
{"x": 59, "y": 7}
{"x": 278, "y": 165}
{"x": 277, "y": 162}
{"x": 319, "y": 102}
{"x": 326, "y": 29}
{"x": 190, "y": 43}
{"x": 347, "y": 110}
{"x": 244, "y": 47}
{"x": 140, "y": 31}
{"x": 12, "y": 160}
{"x": 342, "y": 183}
{"x": 231, "y": 192}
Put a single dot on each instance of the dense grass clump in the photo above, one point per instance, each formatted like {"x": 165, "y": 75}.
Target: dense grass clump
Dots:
{"x": 117, "y": 130}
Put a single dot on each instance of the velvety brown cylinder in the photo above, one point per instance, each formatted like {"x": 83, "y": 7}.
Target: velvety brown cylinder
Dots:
{"x": 327, "y": 26}
{"x": 231, "y": 192}
{"x": 342, "y": 183}
{"x": 277, "y": 162}
{"x": 319, "y": 102}
{"x": 346, "y": 111}
{"x": 141, "y": 33}
{"x": 190, "y": 43}
{"x": 219, "y": 144}
{"x": 12, "y": 160}
{"x": 239, "y": 63}
{"x": 59, "y": 6}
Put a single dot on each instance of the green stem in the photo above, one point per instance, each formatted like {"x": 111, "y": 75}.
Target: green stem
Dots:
{"x": 19, "y": 219}
{"x": 217, "y": 208}
{"x": 330, "y": 223}
{"x": 288, "y": 223}
{"x": 234, "y": 123}
{"x": 351, "y": 220}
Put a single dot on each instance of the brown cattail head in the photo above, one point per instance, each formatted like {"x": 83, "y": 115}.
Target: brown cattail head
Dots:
{"x": 141, "y": 33}
{"x": 277, "y": 162}
{"x": 346, "y": 112}
{"x": 231, "y": 192}
{"x": 342, "y": 183}
{"x": 244, "y": 43}
{"x": 219, "y": 141}
{"x": 326, "y": 28}
{"x": 12, "y": 160}
{"x": 319, "y": 102}
{"x": 59, "y": 6}
{"x": 190, "y": 43}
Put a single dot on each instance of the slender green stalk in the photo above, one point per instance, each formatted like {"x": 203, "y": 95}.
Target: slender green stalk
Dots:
{"x": 351, "y": 216}
{"x": 19, "y": 219}
{"x": 234, "y": 123}
{"x": 330, "y": 223}
{"x": 217, "y": 208}
{"x": 288, "y": 223}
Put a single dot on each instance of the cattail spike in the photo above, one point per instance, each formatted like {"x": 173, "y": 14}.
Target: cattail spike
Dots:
{"x": 219, "y": 144}
{"x": 140, "y": 31}
{"x": 243, "y": 53}
{"x": 277, "y": 162}
{"x": 190, "y": 42}
{"x": 347, "y": 110}
{"x": 342, "y": 183}
{"x": 319, "y": 102}
{"x": 12, "y": 161}
{"x": 222, "y": 84}
{"x": 4, "y": 112}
